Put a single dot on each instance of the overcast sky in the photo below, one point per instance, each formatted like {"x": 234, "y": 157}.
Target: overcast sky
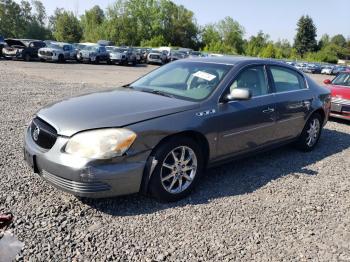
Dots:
{"x": 275, "y": 17}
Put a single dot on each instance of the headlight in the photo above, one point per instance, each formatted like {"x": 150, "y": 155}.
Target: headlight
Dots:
{"x": 101, "y": 144}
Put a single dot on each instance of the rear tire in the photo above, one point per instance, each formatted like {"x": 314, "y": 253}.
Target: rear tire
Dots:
{"x": 61, "y": 58}
{"x": 179, "y": 168}
{"x": 311, "y": 133}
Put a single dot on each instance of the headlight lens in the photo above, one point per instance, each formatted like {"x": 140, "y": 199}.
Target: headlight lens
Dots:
{"x": 101, "y": 144}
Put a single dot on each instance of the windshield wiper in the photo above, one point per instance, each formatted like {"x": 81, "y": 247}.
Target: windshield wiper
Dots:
{"x": 156, "y": 92}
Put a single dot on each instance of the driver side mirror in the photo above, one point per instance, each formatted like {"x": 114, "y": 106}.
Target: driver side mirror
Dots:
{"x": 327, "y": 81}
{"x": 239, "y": 94}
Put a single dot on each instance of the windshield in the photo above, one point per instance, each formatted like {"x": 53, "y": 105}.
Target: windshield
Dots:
{"x": 187, "y": 80}
{"x": 54, "y": 46}
{"x": 342, "y": 80}
{"x": 91, "y": 48}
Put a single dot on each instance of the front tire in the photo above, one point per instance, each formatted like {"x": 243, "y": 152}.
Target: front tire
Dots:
{"x": 180, "y": 165}
{"x": 27, "y": 57}
{"x": 311, "y": 133}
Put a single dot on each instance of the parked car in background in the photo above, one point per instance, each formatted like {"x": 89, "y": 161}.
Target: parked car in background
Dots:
{"x": 340, "y": 91}
{"x": 143, "y": 53}
{"x": 94, "y": 54}
{"x": 158, "y": 134}
{"x": 176, "y": 55}
{"x": 339, "y": 69}
{"x": 57, "y": 52}
{"x": 2, "y": 44}
{"x": 121, "y": 56}
{"x": 327, "y": 70}
{"x": 312, "y": 69}
{"x": 157, "y": 57}
{"x": 26, "y": 49}
{"x": 195, "y": 54}
{"x": 300, "y": 66}
{"x": 80, "y": 46}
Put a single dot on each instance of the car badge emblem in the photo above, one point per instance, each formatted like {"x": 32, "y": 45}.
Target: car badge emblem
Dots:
{"x": 36, "y": 133}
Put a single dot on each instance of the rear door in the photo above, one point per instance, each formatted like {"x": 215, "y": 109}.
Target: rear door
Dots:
{"x": 293, "y": 101}
{"x": 247, "y": 125}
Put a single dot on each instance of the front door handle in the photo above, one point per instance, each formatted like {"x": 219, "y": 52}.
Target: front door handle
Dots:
{"x": 268, "y": 110}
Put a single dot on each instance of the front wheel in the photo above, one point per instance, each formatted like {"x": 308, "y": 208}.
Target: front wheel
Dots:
{"x": 311, "y": 133}
{"x": 180, "y": 165}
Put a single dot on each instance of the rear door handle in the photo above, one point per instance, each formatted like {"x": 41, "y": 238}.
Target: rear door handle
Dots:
{"x": 268, "y": 110}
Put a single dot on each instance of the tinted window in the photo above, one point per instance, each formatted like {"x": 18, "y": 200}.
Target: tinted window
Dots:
{"x": 286, "y": 79}
{"x": 254, "y": 79}
{"x": 103, "y": 49}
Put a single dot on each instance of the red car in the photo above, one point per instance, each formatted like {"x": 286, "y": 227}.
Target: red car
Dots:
{"x": 340, "y": 88}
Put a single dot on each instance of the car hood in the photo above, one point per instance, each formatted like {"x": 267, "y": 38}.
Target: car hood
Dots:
{"x": 49, "y": 49}
{"x": 113, "y": 108}
{"x": 340, "y": 91}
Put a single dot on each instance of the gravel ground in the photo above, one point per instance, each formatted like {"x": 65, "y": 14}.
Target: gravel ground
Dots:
{"x": 280, "y": 206}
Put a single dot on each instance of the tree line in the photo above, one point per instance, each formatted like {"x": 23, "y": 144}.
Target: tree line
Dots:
{"x": 154, "y": 23}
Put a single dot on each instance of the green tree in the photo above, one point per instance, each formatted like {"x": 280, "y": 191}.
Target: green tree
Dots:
{"x": 91, "y": 23}
{"x": 231, "y": 33}
{"x": 339, "y": 40}
{"x": 269, "y": 51}
{"x": 324, "y": 41}
{"x": 256, "y": 44}
{"x": 11, "y": 23}
{"x": 67, "y": 27}
{"x": 305, "y": 39}
{"x": 226, "y": 36}
{"x": 283, "y": 48}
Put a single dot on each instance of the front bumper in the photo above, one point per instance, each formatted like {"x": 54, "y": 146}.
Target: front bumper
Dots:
{"x": 48, "y": 58}
{"x": 340, "y": 108}
{"x": 80, "y": 177}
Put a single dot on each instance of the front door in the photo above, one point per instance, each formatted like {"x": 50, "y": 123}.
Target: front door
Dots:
{"x": 247, "y": 125}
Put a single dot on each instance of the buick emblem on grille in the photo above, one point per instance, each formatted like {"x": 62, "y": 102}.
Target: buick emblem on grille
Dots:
{"x": 36, "y": 133}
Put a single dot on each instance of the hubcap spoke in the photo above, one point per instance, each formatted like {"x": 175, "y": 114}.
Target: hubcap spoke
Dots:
{"x": 183, "y": 153}
{"x": 168, "y": 177}
{"x": 172, "y": 183}
{"x": 187, "y": 177}
{"x": 168, "y": 166}
{"x": 174, "y": 156}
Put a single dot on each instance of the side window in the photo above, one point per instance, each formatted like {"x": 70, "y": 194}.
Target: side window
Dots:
{"x": 254, "y": 79}
{"x": 286, "y": 79}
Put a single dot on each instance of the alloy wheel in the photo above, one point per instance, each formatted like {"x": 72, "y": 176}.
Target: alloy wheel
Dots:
{"x": 178, "y": 169}
{"x": 313, "y": 132}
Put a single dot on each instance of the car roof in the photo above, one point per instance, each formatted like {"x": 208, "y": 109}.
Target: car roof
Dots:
{"x": 234, "y": 60}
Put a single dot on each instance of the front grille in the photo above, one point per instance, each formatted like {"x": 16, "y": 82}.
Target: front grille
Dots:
{"x": 154, "y": 57}
{"x": 46, "y": 53}
{"x": 340, "y": 101}
{"x": 43, "y": 134}
{"x": 73, "y": 186}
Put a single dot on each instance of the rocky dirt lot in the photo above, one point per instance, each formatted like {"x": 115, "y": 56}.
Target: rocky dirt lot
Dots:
{"x": 279, "y": 206}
